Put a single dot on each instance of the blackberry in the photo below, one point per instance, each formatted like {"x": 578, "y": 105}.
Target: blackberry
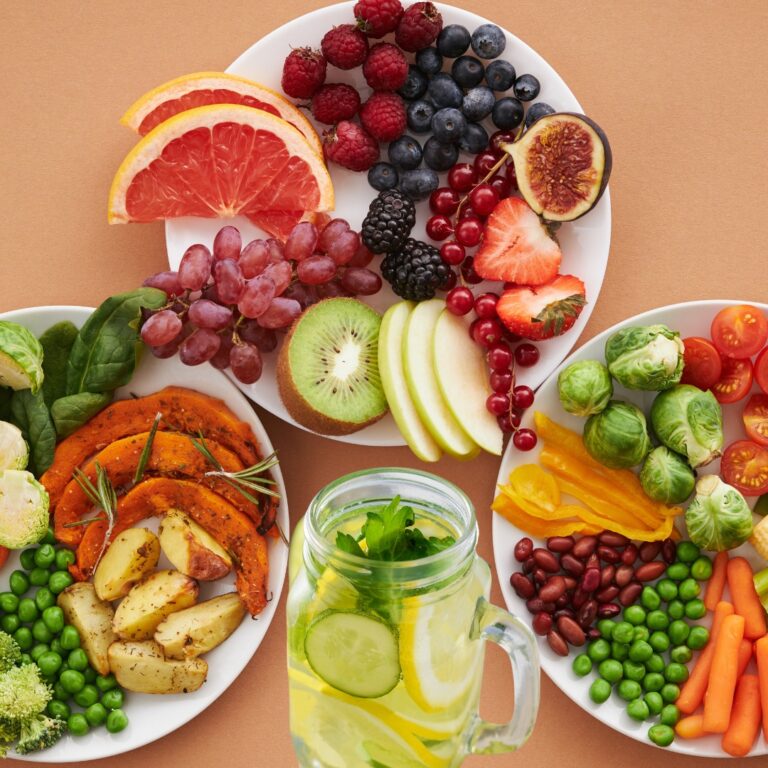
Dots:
{"x": 415, "y": 271}
{"x": 389, "y": 221}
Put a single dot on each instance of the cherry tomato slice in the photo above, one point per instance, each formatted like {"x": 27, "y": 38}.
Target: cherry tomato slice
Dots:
{"x": 745, "y": 466}
{"x": 703, "y": 366}
{"x": 739, "y": 331}
{"x": 761, "y": 370}
{"x": 735, "y": 381}
{"x": 3, "y": 556}
{"x": 755, "y": 417}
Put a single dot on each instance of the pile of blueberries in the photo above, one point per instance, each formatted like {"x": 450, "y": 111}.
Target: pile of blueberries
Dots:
{"x": 451, "y": 106}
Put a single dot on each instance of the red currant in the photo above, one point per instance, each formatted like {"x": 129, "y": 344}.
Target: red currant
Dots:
{"x": 485, "y": 331}
{"x": 499, "y": 138}
{"x": 500, "y": 358}
{"x": 524, "y": 439}
{"x": 522, "y": 397}
{"x": 444, "y": 200}
{"x": 514, "y": 418}
{"x": 459, "y": 301}
{"x": 452, "y": 253}
{"x": 485, "y": 305}
{"x": 484, "y": 199}
{"x": 468, "y": 212}
{"x": 461, "y": 177}
{"x": 501, "y": 381}
{"x": 501, "y": 185}
{"x": 497, "y": 404}
{"x": 504, "y": 423}
{"x": 484, "y": 163}
{"x": 439, "y": 227}
{"x": 469, "y": 274}
{"x": 526, "y": 355}
{"x": 449, "y": 283}
{"x": 511, "y": 177}
{"x": 469, "y": 232}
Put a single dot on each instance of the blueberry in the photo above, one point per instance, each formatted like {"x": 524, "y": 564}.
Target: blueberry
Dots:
{"x": 383, "y": 176}
{"x": 444, "y": 91}
{"x": 453, "y": 40}
{"x": 440, "y": 157}
{"x": 405, "y": 153}
{"x": 507, "y": 113}
{"x": 475, "y": 139}
{"x": 500, "y": 75}
{"x": 527, "y": 87}
{"x": 488, "y": 41}
{"x": 537, "y": 110}
{"x": 478, "y": 103}
{"x": 468, "y": 71}
{"x": 419, "y": 115}
{"x": 420, "y": 184}
{"x": 415, "y": 85}
{"x": 448, "y": 125}
{"x": 429, "y": 61}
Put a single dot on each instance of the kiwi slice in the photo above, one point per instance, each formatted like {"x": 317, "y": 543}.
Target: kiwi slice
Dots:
{"x": 328, "y": 369}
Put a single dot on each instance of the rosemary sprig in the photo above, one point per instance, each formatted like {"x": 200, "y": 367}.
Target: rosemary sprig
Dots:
{"x": 147, "y": 450}
{"x": 103, "y": 495}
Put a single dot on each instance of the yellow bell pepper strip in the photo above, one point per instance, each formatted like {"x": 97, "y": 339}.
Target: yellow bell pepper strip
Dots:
{"x": 536, "y": 485}
{"x": 541, "y": 528}
{"x": 531, "y": 508}
{"x": 606, "y": 524}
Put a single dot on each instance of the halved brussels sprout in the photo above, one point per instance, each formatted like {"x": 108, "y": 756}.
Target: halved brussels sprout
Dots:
{"x": 719, "y": 517}
{"x": 617, "y": 436}
{"x": 21, "y": 357}
{"x": 14, "y": 451}
{"x": 585, "y": 387}
{"x": 645, "y": 357}
{"x": 666, "y": 476}
{"x": 23, "y": 509}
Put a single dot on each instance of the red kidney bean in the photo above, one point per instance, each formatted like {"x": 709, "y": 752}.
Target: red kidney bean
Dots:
{"x": 560, "y": 543}
{"x": 593, "y": 561}
{"x": 607, "y": 610}
{"x": 609, "y": 554}
{"x": 570, "y": 630}
{"x": 613, "y": 539}
{"x": 553, "y": 589}
{"x": 669, "y": 551}
{"x": 539, "y": 576}
{"x": 562, "y": 601}
{"x": 542, "y": 623}
{"x": 650, "y": 571}
{"x": 624, "y": 574}
{"x": 607, "y": 594}
{"x": 557, "y": 643}
{"x": 584, "y": 547}
{"x": 579, "y": 598}
{"x": 593, "y": 633}
{"x": 572, "y": 565}
{"x": 629, "y": 555}
{"x": 606, "y": 575}
{"x": 523, "y": 549}
{"x": 546, "y": 560}
{"x": 649, "y": 550}
{"x": 630, "y": 593}
{"x": 565, "y": 612}
{"x": 590, "y": 581}
{"x": 537, "y": 605}
{"x": 570, "y": 583}
{"x": 529, "y": 565}
{"x": 587, "y": 614}
{"x": 522, "y": 585}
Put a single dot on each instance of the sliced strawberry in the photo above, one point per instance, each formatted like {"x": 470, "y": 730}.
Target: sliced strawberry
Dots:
{"x": 541, "y": 312}
{"x": 517, "y": 247}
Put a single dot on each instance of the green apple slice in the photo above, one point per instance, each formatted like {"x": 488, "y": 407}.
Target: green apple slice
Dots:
{"x": 392, "y": 375}
{"x": 462, "y": 377}
{"x": 422, "y": 381}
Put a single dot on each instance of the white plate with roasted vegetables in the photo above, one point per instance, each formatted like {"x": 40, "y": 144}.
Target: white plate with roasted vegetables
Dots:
{"x": 127, "y": 613}
{"x": 632, "y": 534}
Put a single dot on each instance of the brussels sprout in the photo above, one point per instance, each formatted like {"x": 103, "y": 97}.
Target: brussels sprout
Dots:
{"x": 719, "y": 517}
{"x": 14, "y": 451}
{"x": 617, "y": 437}
{"x": 645, "y": 357}
{"x": 585, "y": 387}
{"x": 690, "y": 422}
{"x": 21, "y": 357}
{"x": 23, "y": 509}
{"x": 666, "y": 476}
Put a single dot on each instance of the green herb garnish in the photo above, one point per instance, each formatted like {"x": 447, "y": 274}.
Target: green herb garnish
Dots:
{"x": 147, "y": 450}
{"x": 102, "y": 495}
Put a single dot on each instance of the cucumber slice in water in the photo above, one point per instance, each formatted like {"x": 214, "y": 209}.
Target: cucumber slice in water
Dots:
{"x": 353, "y": 652}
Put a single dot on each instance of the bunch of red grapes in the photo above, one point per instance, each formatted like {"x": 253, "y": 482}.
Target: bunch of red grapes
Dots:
{"x": 227, "y": 306}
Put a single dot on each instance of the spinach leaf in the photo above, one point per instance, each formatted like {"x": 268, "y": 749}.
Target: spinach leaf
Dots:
{"x": 56, "y": 342}
{"x": 107, "y": 347}
{"x": 30, "y": 414}
{"x": 73, "y": 411}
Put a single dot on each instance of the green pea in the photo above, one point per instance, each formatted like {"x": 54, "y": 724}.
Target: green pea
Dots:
{"x": 38, "y": 650}
{"x": 606, "y": 628}
{"x": 640, "y": 651}
{"x": 77, "y": 724}
{"x": 87, "y": 696}
{"x": 678, "y": 631}
{"x": 637, "y": 709}
{"x": 56, "y": 646}
{"x": 649, "y": 598}
{"x": 701, "y": 570}
{"x": 72, "y": 680}
{"x": 64, "y": 668}
{"x": 64, "y": 558}
{"x": 114, "y": 699}
{"x": 53, "y": 617}
{"x": 667, "y": 590}
{"x": 59, "y": 709}
{"x": 9, "y": 603}
{"x": 653, "y": 681}
{"x": 24, "y": 639}
{"x": 59, "y": 692}
{"x": 688, "y": 589}
{"x": 619, "y": 651}
{"x": 582, "y": 665}
{"x": 49, "y": 537}
{"x": 600, "y": 690}
{"x": 59, "y": 581}
{"x": 38, "y": 577}
{"x": 90, "y": 675}
{"x": 641, "y": 633}
{"x": 698, "y": 638}
{"x": 69, "y": 638}
{"x": 27, "y": 610}
{"x": 117, "y": 720}
{"x": 687, "y": 551}
{"x": 25, "y": 659}
{"x": 10, "y": 623}
{"x": 669, "y": 715}
{"x": 681, "y": 654}
{"x": 45, "y": 556}
{"x": 27, "y": 559}
{"x": 655, "y": 663}
{"x": 659, "y": 641}
{"x": 44, "y": 598}
{"x": 629, "y": 689}
{"x": 678, "y": 571}
{"x": 96, "y": 714}
{"x": 41, "y": 633}
{"x": 49, "y": 663}
{"x": 657, "y": 620}
{"x": 599, "y": 649}
{"x": 633, "y": 670}
{"x": 78, "y": 660}
{"x": 670, "y": 692}
{"x": 623, "y": 632}
{"x": 695, "y": 609}
{"x": 634, "y": 614}
{"x": 661, "y": 735}
{"x": 654, "y": 701}
{"x": 676, "y": 672}
{"x": 106, "y": 682}
{"x": 676, "y": 609}
{"x": 18, "y": 583}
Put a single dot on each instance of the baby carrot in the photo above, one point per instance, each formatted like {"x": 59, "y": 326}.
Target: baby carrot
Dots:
{"x": 745, "y": 718}
{"x": 745, "y": 654}
{"x": 695, "y": 687}
{"x": 718, "y": 701}
{"x": 691, "y": 727}
{"x": 716, "y": 584}
{"x": 761, "y": 654}
{"x": 744, "y": 596}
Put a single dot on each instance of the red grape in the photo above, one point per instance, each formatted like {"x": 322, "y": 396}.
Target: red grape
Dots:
{"x": 499, "y": 356}
{"x": 343, "y": 248}
{"x": 161, "y": 328}
{"x": 280, "y": 313}
{"x": 332, "y": 230}
{"x": 362, "y": 258}
{"x": 485, "y": 305}
{"x": 316, "y": 270}
{"x": 497, "y": 403}
{"x": 452, "y": 253}
{"x": 254, "y": 258}
{"x": 522, "y": 397}
{"x": 199, "y": 347}
{"x": 468, "y": 272}
{"x": 469, "y": 232}
{"x": 227, "y": 243}
{"x": 229, "y": 280}
{"x": 524, "y": 439}
{"x": 486, "y": 331}
{"x": 459, "y": 301}
{"x": 484, "y": 199}
{"x": 301, "y": 242}
{"x": 195, "y": 267}
{"x": 281, "y": 274}
{"x": 462, "y": 177}
{"x": 205, "y": 313}
{"x": 439, "y": 227}
{"x": 304, "y": 294}
{"x": 361, "y": 281}
{"x": 526, "y": 355}
{"x": 444, "y": 200}
{"x": 331, "y": 290}
{"x": 165, "y": 281}
{"x": 501, "y": 381}
{"x": 245, "y": 361}
{"x": 221, "y": 359}
{"x": 257, "y": 295}
{"x": 276, "y": 251}
{"x": 264, "y": 338}
{"x": 210, "y": 292}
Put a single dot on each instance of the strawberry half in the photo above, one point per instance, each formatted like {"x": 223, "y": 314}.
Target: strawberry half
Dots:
{"x": 517, "y": 247}
{"x": 543, "y": 311}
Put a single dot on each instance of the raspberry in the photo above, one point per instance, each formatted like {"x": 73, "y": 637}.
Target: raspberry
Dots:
{"x": 345, "y": 47}
{"x": 335, "y": 102}
{"x": 383, "y": 116}
{"x": 303, "y": 72}
{"x": 378, "y": 17}
{"x": 351, "y": 146}
{"x": 419, "y": 27}
{"x": 385, "y": 69}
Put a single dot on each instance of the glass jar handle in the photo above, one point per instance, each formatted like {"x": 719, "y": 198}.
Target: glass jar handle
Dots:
{"x": 504, "y": 629}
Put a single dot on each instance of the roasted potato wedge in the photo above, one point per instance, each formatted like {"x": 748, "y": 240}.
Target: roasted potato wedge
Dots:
{"x": 191, "y": 549}
{"x": 150, "y": 601}
{"x": 92, "y": 618}
{"x": 131, "y": 556}
{"x": 141, "y": 667}
{"x": 188, "y": 633}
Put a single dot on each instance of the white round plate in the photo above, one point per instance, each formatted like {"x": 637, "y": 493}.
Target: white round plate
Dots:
{"x": 152, "y": 717}
{"x": 585, "y": 242}
{"x": 690, "y": 319}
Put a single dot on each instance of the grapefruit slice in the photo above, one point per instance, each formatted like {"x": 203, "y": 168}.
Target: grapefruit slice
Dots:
{"x": 280, "y": 223}
{"x": 201, "y": 89}
{"x": 219, "y": 161}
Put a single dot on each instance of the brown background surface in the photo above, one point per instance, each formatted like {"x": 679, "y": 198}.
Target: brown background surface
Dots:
{"x": 680, "y": 87}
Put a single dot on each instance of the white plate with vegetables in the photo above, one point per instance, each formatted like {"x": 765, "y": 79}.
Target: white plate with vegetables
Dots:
{"x": 151, "y": 717}
{"x": 693, "y": 319}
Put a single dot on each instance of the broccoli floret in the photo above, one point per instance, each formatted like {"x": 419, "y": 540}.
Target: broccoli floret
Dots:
{"x": 23, "y": 695}
{"x": 10, "y": 653}
{"x": 8, "y": 734}
{"x": 39, "y": 733}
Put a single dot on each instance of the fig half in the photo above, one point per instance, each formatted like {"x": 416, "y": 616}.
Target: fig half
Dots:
{"x": 562, "y": 163}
